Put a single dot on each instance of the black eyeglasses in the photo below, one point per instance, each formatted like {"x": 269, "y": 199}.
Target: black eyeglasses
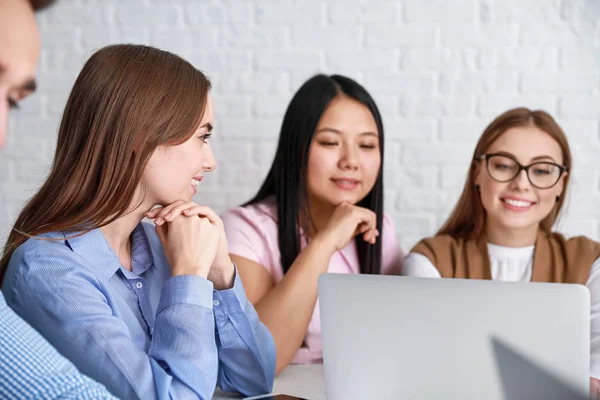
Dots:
{"x": 504, "y": 168}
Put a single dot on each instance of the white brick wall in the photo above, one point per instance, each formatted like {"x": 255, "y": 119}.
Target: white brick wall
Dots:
{"x": 439, "y": 69}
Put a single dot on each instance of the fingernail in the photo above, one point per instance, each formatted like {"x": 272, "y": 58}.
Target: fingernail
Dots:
{"x": 158, "y": 221}
{"x": 168, "y": 216}
{"x": 186, "y": 211}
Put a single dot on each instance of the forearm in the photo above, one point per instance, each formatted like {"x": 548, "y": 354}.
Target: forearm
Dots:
{"x": 245, "y": 345}
{"x": 287, "y": 309}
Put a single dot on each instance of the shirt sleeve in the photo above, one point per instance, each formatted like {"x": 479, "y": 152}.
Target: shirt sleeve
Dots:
{"x": 392, "y": 256}
{"x": 246, "y": 347}
{"x": 593, "y": 285}
{"x": 30, "y": 368}
{"x": 55, "y": 293}
{"x": 244, "y": 235}
{"x": 419, "y": 266}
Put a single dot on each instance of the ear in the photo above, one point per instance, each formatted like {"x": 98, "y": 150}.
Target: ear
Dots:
{"x": 560, "y": 186}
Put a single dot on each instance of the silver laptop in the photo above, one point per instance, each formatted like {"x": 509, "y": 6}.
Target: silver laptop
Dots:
{"x": 391, "y": 337}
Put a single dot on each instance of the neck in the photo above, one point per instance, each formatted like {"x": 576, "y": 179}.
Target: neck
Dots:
{"x": 118, "y": 233}
{"x": 511, "y": 237}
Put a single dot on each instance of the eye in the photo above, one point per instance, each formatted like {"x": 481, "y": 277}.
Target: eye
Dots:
{"x": 504, "y": 167}
{"x": 367, "y": 146}
{"x": 205, "y": 137}
{"x": 326, "y": 143}
{"x": 544, "y": 170}
{"x": 12, "y": 104}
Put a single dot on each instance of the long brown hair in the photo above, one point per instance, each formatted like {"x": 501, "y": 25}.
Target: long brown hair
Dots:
{"x": 127, "y": 101}
{"x": 467, "y": 220}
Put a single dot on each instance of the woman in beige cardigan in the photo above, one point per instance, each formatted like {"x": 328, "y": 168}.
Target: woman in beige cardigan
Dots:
{"x": 501, "y": 228}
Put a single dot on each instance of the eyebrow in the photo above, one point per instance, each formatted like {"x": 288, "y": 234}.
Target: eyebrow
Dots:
{"x": 338, "y": 132}
{"x": 29, "y": 85}
{"x": 206, "y": 125}
{"x": 537, "y": 158}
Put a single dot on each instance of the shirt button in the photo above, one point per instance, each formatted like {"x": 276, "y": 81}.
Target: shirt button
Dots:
{"x": 216, "y": 303}
{"x": 139, "y": 285}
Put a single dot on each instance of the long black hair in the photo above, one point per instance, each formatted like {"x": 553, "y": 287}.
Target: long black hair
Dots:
{"x": 286, "y": 179}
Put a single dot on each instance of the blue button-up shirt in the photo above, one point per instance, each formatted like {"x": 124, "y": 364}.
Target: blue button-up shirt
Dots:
{"x": 30, "y": 368}
{"x": 142, "y": 333}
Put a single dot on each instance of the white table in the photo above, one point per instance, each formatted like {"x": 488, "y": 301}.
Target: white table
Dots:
{"x": 297, "y": 380}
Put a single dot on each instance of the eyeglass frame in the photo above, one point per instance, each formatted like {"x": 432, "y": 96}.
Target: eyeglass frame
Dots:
{"x": 486, "y": 158}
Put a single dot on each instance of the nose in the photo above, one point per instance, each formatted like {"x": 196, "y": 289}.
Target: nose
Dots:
{"x": 208, "y": 163}
{"x": 349, "y": 157}
{"x": 521, "y": 181}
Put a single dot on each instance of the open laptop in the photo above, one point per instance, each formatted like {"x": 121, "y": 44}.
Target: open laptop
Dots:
{"x": 391, "y": 337}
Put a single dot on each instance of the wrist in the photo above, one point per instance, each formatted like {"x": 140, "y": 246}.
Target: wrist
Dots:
{"x": 189, "y": 269}
{"x": 222, "y": 277}
{"x": 324, "y": 242}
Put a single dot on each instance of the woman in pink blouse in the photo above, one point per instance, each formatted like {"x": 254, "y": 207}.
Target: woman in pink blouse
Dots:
{"x": 320, "y": 209}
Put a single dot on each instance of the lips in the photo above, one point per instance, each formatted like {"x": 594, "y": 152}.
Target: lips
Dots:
{"x": 346, "y": 183}
{"x": 516, "y": 204}
{"x": 194, "y": 183}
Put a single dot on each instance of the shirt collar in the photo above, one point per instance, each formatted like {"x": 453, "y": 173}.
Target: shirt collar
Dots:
{"x": 93, "y": 247}
{"x": 141, "y": 255}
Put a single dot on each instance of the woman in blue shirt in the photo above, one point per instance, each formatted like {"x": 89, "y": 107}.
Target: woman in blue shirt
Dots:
{"x": 152, "y": 312}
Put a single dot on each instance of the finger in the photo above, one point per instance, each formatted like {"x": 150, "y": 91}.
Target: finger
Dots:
{"x": 153, "y": 213}
{"x": 365, "y": 210}
{"x": 369, "y": 236}
{"x": 367, "y": 216}
{"x": 373, "y": 234}
{"x": 204, "y": 211}
{"x": 162, "y": 211}
{"x": 173, "y": 210}
{"x": 363, "y": 227}
{"x": 177, "y": 210}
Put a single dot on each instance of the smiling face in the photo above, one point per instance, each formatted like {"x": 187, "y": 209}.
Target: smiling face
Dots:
{"x": 345, "y": 156}
{"x": 517, "y": 204}
{"x": 173, "y": 172}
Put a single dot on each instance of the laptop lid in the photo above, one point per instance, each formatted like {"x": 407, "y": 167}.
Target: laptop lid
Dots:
{"x": 390, "y": 337}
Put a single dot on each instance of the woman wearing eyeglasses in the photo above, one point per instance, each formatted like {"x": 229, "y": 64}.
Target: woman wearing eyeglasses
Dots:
{"x": 501, "y": 228}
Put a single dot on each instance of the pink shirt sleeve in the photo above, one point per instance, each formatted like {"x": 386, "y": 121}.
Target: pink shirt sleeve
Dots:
{"x": 392, "y": 256}
{"x": 248, "y": 231}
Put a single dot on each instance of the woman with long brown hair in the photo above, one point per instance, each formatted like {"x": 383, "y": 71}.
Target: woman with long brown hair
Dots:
{"x": 501, "y": 228}
{"x": 152, "y": 312}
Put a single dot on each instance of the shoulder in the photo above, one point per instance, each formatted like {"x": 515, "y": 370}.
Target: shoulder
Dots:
{"x": 391, "y": 253}
{"x": 389, "y": 227}
{"x": 388, "y": 231}
{"x": 45, "y": 268}
{"x": 263, "y": 209}
{"x": 582, "y": 243}
{"x": 37, "y": 253}
{"x": 418, "y": 265}
{"x": 262, "y": 215}
{"x": 438, "y": 242}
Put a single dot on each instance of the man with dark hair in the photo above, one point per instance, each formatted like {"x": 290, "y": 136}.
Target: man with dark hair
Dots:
{"x": 30, "y": 368}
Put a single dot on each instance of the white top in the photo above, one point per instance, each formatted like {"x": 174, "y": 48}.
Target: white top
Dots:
{"x": 516, "y": 264}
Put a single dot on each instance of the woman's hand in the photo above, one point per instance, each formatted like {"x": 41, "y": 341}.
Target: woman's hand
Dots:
{"x": 221, "y": 271}
{"x": 346, "y": 222}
